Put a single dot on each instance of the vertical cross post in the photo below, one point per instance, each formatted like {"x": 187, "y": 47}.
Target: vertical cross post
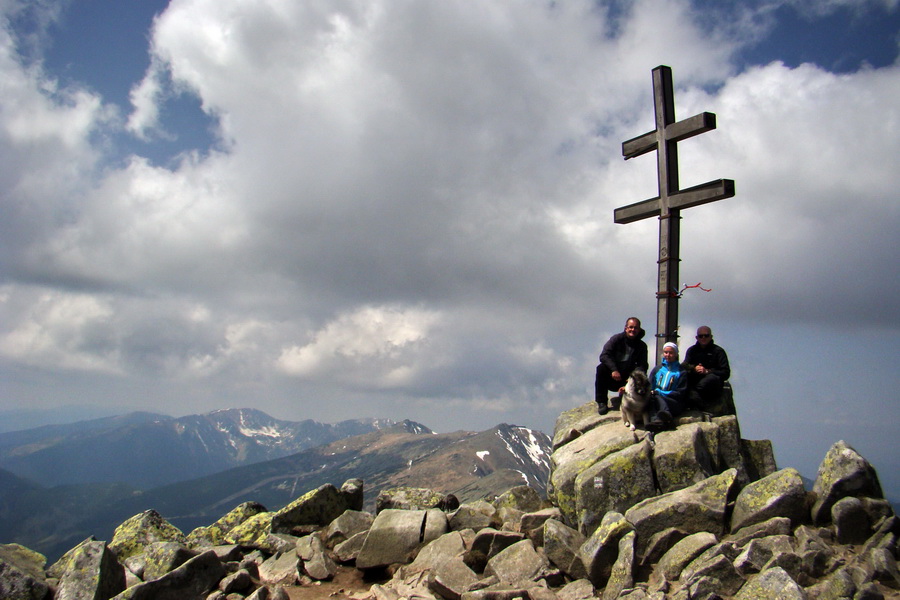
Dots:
{"x": 667, "y": 206}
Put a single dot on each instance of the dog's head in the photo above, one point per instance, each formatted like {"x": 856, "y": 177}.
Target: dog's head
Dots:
{"x": 639, "y": 383}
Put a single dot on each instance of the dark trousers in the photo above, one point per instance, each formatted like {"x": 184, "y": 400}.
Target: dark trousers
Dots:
{"x": 666, "y": 404}
{"x": 704, "y": 390}
{"x": 604, "y": 383}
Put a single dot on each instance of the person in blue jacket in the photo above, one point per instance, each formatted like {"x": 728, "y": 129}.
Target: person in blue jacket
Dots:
{"x": 669, "y": 385}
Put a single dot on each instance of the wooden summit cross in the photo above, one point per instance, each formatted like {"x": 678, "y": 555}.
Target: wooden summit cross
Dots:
{"x": 667, "y": 206}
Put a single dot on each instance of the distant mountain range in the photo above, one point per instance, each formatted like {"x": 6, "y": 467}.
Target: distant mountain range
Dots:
{"x": 148, "y": 450}
{"x": 52, "y": 520}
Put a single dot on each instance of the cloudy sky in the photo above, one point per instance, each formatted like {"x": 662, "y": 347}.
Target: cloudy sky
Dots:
{"x": 332, "y": 209}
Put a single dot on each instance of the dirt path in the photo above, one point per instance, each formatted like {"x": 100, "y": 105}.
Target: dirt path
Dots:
{"x": 347, "y": 584}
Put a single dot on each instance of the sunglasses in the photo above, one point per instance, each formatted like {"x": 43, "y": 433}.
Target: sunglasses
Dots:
{"x": 704, "y": 335}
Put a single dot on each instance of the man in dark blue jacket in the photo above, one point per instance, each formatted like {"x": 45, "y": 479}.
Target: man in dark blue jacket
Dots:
{"x": 708, "y": 369}
{"x": 622, "y": 353}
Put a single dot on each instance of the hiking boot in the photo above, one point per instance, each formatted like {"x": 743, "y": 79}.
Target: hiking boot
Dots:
{"x": 602, "y": 408}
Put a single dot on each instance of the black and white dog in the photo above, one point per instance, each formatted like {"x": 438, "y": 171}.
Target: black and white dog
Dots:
{"x": 636, "y": 400}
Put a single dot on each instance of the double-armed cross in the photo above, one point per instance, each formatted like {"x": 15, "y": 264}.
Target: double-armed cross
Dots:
{"x": 667, "y": 206}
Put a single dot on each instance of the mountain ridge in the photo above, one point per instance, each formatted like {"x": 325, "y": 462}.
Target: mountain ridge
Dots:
{"x": 147, "y": 450}
{"x": 470, "y": 464}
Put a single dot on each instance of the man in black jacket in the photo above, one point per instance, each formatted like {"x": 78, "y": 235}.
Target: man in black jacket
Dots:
{"x": 708, "y": 369}
{"x": 623, "y": 353}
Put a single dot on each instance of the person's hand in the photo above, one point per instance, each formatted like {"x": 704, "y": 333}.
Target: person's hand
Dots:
{"x": 701, "y": 369}
{"x": 616, "y": 376}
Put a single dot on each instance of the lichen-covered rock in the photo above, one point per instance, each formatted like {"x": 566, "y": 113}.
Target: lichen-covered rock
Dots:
{"x": 682, "y": 457}
{"x": 851, "y": 521}
{"x": 580, "y": 589}
{"x": 252, "y": 532}
{"x": 521, "y": 497}
{"x": 616, "y": 483}
{"x": 192, "y": 580}
{"x": 759, "y": 458}
{"x": 730, "y": 448}
{"x": 535, "y": 520}
{"x": 135, "y": 534}
{"x": 562, "y": 545}
{"x": 410, "y": 498}
{"x": 843, "y": 473}
{"x": 714, "y": 574}
{"x": 773, "y": 526}
{"x": 622, "y": 574}
{"x": 520, "y": 562}
{"x": 570, "y": 460}
{"x": 600, "y": 550}
{"x": 316, "y": 508}
{"x": 780, "y": 494}
{"x": 758, "y": 552}
{"x": 575, "y": 422}
{"x": 214, "y": 535}
{"x": 57, "y": 569}
{"x": 774, "y": 583}
{"x": 683, "y": 552}
{"x": 162, "y": 557}
{"x": 701, "y": 507}
{"x": 22, "y": 573}
{"x": 92, "y": 572}
{"x": 475, "y": 516}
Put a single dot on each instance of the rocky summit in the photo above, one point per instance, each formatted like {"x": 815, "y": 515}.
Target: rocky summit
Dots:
{"x": 694, "y": 512}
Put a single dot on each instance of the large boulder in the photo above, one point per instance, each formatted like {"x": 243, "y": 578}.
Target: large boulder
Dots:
{"x": 773, "y": 583}
{"x": 436, "y": 552}
{"x": 780, "y": 494}
{"x": 682, "y": 456}
{"x": 214, "y": 535}
{"x": 842, "y": 473}
{"x": 615, "y": 483}
{"x": 518, "y": 563}
{"x": 487, "y": 543}
{"x": 562, "y": 545}
{"x": 622, "y": 574}
{"x": 397, "y": 534}
{"x": 600, "y": 551}
{"x": 346, "y": 526}
{"x": 314, "y": 509}
{"x": 452, "y": 578}
{"x": 522, "y": 497}
{"x": 22, "y": 573}
{"x": 568, "y": 461}
{"x": 701, "y": 507}
{"x": 577, "y": 421}
{"x": 413, "y": 498}
{"x": 317, "y": 564}
{"x": 161, "y": 557}
{"x": 134, "y": 535}
{"x": 192, "y": 580}
{"x": 280, "y": 569}
{"x": 252, "y": 532}
{"x": 92, "y": 572}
